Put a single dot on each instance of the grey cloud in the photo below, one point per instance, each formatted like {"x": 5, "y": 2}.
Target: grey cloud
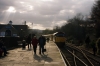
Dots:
{"x": 4, "y": 4}
{"x": 44, "y": 13}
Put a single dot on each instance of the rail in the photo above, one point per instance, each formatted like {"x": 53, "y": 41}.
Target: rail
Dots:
{"x": 72, "y": 57}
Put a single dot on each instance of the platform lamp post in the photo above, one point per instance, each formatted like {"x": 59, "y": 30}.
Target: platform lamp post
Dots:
{"x": 31, "y": 32}
{"x": 21, "y": 32}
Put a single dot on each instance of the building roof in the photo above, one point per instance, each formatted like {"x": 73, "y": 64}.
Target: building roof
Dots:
{"x": 17, "y": 27}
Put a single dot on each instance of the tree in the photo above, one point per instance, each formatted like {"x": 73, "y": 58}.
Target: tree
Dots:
{"x": 73, "y": 27}
{"x": 56, "y": 29}
{"x": 95, "y": 16}
{"x": 46, "y": 31}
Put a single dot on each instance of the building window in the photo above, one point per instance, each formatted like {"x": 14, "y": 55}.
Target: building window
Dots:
{"x": 8, "y": 33}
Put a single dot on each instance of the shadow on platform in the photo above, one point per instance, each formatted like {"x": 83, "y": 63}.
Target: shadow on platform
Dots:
{"x": 41, "y": 57}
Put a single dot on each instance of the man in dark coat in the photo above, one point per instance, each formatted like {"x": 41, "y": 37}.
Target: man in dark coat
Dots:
{"x": 28, "y": 40}
{"x": 42, "y": 42}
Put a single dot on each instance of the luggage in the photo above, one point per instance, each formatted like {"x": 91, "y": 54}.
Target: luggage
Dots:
{"x": 44, "y": 49}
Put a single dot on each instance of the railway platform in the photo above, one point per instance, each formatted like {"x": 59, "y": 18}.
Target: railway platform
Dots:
{"x": 20, "y": 57}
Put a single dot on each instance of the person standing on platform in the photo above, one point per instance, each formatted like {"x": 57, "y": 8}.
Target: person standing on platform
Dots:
{"x": 94, "y": 48}
{"x": 34, "y": 43}
{"x": 1, "y": 52}
{"x": 3, "y": 47}
{"x": 42, "y": 42}
{"x": 29, "y": 41}
{"x": 48, "y": 40}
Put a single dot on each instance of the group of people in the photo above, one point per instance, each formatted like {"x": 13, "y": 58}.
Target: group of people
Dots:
{"x": 3, "y": 50}
{"x": 41, "y": 41}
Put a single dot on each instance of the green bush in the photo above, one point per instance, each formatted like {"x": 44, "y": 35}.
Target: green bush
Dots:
{"x": 98, "y": 46}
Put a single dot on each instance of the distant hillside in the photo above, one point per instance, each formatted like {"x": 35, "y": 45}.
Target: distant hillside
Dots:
{"x": 35, "y": 31}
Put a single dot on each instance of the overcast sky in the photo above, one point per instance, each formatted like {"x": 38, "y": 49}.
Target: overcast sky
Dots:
{"x": 42, "y": 13}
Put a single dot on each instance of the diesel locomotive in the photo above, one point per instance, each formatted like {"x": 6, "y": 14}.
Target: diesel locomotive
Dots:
{"x": 59, "y": 38}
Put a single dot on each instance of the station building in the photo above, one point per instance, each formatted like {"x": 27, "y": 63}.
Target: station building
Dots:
{"x": 13, "y": 30}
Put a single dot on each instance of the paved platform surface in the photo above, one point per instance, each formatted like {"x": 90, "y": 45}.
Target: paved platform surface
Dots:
{"x": 19, "y": 57}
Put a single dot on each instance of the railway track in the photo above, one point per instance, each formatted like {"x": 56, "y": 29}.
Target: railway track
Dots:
{"x": 94, "y": 59}
{"x": 90, "y": 55}
{"x": 76, "y": 57}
